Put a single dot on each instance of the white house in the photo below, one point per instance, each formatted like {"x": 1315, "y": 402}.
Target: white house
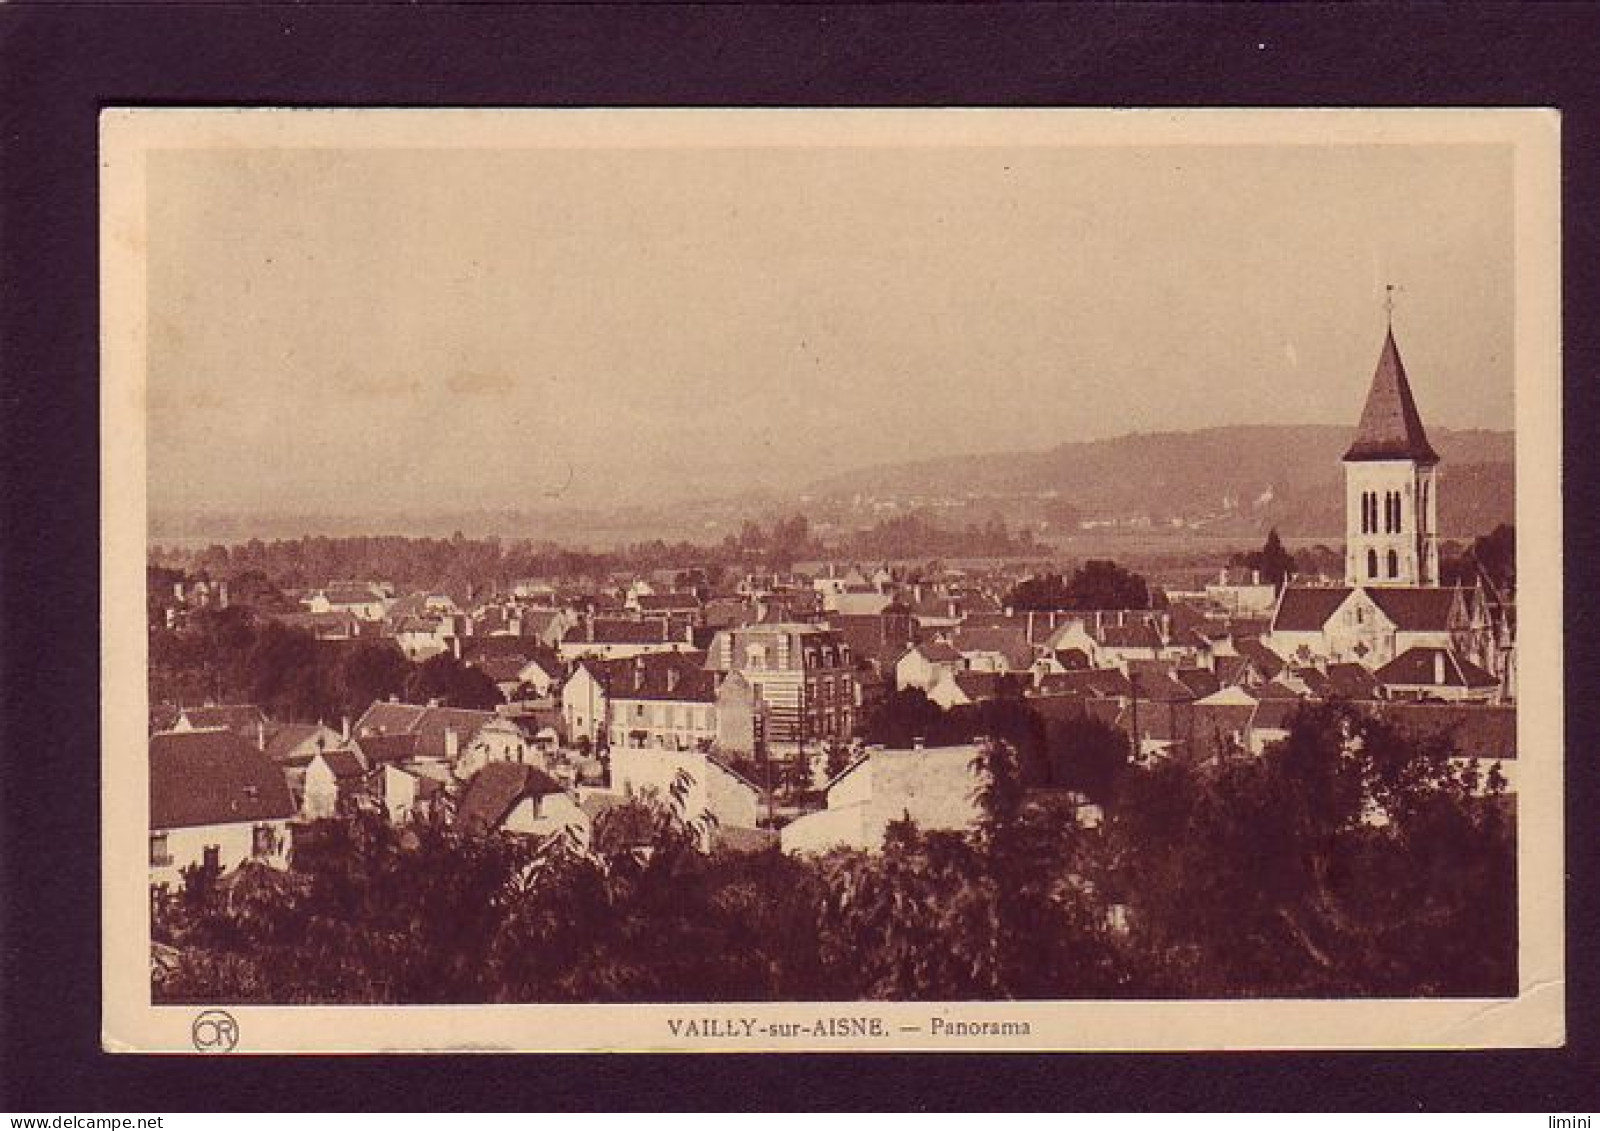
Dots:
{"x": 403, "y": 795}
{"x": 332, "y": 776}
{"x": 933, "y": 786}
{"x": 214, "y": 799}
{"x": 713, "y": 787}
{"x": 508, "y": 797}
{"x": 924, "y": 665}
{"x": 670, "y": 705}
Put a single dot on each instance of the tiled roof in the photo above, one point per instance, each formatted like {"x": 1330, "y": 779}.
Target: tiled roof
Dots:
{"x": 345, "y": 764}
{"x": 213, "y": 777}
{"x": 495, "y": 790}
{"x": 1095, "y": 683}
{"x": 1260, "y": 657}
{"x": 1274, "y": 714}
{"x": 1163, "y": 687}
{"x": 1010, "y": 642}
{"x": 1421, "y": 667}
{"x": 601, "y": 631}
{"x": 938, "y": 652}
{"x": 1306, "y": 608}
{"x": 674, "y": 678}
{"x": 979, "y": 685}
{"x": 1198, "y": 680}
{"x": 666, "y": 602}
{"x": 501, "y": 669}
{"x": 873, "y": 635}
{"x": 388, "y": 748}
{"x": 1350, "y": 681}
{"x": 495, "y": 646}
{"x": 1415, "y": 608}
{"x": 1277, "y": 690}
{"x": 427, "y": 724}
{"x": 1140, "y": 634}
{"x": 242, "y": 718}
{"x": 282, "y": 740}
{"x": 1390, "y": 427}
{"x": 619, "y": 677}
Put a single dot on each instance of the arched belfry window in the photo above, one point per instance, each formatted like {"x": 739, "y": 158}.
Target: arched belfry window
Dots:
{"x": 1372, "y": 563}
{"x": 1394, "y": 564}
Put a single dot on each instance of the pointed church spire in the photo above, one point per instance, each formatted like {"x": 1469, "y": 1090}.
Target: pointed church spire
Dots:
{"x": 1391, "y": 427}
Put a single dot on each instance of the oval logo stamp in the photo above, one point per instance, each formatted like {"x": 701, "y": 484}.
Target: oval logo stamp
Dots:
{"x": 215, "y": 1031}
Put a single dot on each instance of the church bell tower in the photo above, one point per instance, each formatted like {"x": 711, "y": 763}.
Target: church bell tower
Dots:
{"x": 1391, "y": 486}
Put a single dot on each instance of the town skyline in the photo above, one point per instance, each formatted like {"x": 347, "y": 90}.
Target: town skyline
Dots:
{"x": 755, "y": 319}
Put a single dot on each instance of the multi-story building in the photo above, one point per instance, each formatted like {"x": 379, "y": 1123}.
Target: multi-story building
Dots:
{"x": 801, "y": 674}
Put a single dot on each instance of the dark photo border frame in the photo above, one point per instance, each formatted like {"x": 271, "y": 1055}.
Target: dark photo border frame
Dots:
{"x": 60, "y": 64}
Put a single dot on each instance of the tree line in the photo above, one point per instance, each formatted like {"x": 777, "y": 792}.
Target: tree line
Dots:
{"x": 231, "y": 656}
{"x": 1345, "y": 861}
{"x": 479, "y": 563}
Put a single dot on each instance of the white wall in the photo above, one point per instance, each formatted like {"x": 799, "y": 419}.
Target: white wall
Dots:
{"x": 712, "y": 790}
{"x": 547, "y": 816}
{"x": 187, "y": 846}
{"x": 843, "y": 827}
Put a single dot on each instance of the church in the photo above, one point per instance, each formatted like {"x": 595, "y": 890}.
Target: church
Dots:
{"x": 1393, "y": 614}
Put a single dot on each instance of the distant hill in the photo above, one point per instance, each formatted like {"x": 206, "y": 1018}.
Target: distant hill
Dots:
{"x": 1245, "y": 477}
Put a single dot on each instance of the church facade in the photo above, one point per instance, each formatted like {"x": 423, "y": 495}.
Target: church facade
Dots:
{"x": 1392, "y": 614}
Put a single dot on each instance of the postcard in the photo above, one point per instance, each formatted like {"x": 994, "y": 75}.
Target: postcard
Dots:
{"x": 796, "y": 580}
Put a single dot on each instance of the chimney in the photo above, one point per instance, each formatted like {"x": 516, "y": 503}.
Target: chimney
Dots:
{"x": 452, "y": 743}
{"x": 916, "y": 743}
{"x": 344, "y": 728}
{"x": 261, "y": 735}
{"x": 394, "y": 698}
{"x": 672, "y": 680}
{"x": 1438, "y": 668}
{"x": 1255, "y": 577}
{"x": 434, "y": 703}
{"x": 455, "y": 646}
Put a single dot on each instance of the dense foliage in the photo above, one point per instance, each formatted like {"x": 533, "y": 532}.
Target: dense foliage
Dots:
{"x": 1096, "y": 584}
{"x": 227, "y": 656}
{"x": 1345, "y": 861}
{"x": 1274, "y": 564}
{"x": 461, "y": 563}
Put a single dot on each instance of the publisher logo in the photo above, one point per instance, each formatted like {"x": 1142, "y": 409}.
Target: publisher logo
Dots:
{"x": 215, "y": 1031}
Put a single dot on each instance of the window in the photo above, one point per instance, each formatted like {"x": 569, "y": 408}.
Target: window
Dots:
{"x": 1394, "y": 564}
{"x": 1397, "y": 503}
{"x": 160, "y": 850}
{"x": 1372, "y": 563}
{"x": 263, "y": 840}
{"x": 212, "y": 860}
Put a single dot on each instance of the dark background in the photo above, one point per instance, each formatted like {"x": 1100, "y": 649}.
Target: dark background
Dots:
{"x": 59, "y": 64}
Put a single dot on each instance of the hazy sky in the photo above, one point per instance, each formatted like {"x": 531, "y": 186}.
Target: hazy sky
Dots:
{"x": 349, "y": 330}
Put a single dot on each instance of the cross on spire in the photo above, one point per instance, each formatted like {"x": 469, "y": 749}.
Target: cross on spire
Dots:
{"x": 1388, "y": 303}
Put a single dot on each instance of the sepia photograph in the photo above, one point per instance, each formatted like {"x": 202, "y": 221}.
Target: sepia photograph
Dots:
{"x": 862, "y": 580}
